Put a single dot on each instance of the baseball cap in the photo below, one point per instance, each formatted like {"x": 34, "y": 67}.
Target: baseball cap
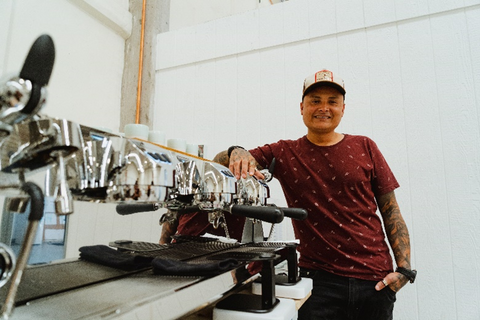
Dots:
{"x": 325, "y": 78}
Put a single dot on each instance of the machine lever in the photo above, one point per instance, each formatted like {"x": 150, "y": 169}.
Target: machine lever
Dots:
{"x": 295, "y": 213}
{"x": 130, "y": 208}
{"x": 38, "y": 68}
{"x": 268, "y": 213}
{"x": 38, "y": 65}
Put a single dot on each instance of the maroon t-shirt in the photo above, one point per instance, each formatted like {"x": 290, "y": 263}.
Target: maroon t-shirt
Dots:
{"x": 337, "y": 186}
{"x": 197, "y": 224}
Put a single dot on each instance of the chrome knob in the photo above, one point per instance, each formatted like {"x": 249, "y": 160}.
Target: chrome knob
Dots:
{"x": 7, "y": 264}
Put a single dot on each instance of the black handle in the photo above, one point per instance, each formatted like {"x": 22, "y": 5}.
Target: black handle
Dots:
{"x": 295, "y": 213}
{"x": 271, "y": 168}
{"x": 37, "y": 200}
{"x": 130, "y": 208}
{"x": 268, "y": 213}
{"x": 38, "y": 65}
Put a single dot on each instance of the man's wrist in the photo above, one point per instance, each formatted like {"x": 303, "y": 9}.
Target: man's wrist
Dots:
{"x": 230, "y": 150}
{"x": 408, "y": 273}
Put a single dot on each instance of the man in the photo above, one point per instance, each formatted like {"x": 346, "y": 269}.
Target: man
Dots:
{"x": 340, "y": 180}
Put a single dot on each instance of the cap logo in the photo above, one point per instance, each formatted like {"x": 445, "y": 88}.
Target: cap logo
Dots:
{"x": 324, "y": 75}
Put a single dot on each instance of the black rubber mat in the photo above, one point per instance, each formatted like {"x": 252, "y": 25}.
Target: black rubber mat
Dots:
{"x": 186, "y": 249}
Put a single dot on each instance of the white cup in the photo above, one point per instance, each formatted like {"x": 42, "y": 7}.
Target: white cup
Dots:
{"x": 133, "y": 130}
{"x": 192, "y": 149}
{"x": 177, "y": 144}
{"x": 157, "y": 137}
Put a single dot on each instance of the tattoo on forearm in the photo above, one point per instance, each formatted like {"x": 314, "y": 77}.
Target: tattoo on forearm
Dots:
{"x": 168, "y": 230}
{"x": 237, "y": 154}
{"x": 222, "y": 158}
{"x": 396, "y": 229}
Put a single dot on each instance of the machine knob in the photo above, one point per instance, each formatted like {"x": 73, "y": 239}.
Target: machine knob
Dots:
{"x": 7, "y": 264}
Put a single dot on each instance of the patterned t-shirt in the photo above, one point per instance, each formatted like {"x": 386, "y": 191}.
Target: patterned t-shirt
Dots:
{"x": 337, "y": 186}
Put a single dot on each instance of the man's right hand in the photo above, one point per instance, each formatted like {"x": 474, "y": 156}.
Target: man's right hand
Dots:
{"x": 242, "y": 162}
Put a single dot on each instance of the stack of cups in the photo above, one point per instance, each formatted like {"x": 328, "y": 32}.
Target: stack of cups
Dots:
{"x": 196, "y": 150}
{"x": 192, "y": 149}
{"x": 157, "y": 137}
{"x": 177, "y": 144}
{"x": 134, "y": 130}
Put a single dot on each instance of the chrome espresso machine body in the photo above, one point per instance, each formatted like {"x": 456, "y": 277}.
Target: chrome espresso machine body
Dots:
{"x": 87, "y": 164}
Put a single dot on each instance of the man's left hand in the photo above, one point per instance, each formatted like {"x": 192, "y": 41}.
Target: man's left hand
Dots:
{"x": 395, "y": 281}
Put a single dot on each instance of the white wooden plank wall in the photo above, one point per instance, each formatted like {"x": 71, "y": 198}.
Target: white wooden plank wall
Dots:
{"x": 85, "y": 85}
{"x": 412, "y": 72}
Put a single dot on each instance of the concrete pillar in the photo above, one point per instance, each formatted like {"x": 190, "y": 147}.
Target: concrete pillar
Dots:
{"x": 157, "y": 16}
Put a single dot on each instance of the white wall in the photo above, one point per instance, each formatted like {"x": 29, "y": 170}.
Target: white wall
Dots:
{"x": 86, "y": 80}
{"x": 412, "y": 73}
{"x": 186, "y": 13}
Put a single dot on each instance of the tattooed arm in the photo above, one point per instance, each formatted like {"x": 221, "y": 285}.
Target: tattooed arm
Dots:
{"x": 240, "y": 163}
{"x": 168, "y": 230}
{"x": 222, "y": 158}
{"x": 398, "y": 237}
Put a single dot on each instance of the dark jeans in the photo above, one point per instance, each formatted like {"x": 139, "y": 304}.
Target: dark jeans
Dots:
{"x": 340, "y": 298}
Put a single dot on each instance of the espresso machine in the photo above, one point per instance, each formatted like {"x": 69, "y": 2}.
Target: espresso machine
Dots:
{"x": 82, "y": 163}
